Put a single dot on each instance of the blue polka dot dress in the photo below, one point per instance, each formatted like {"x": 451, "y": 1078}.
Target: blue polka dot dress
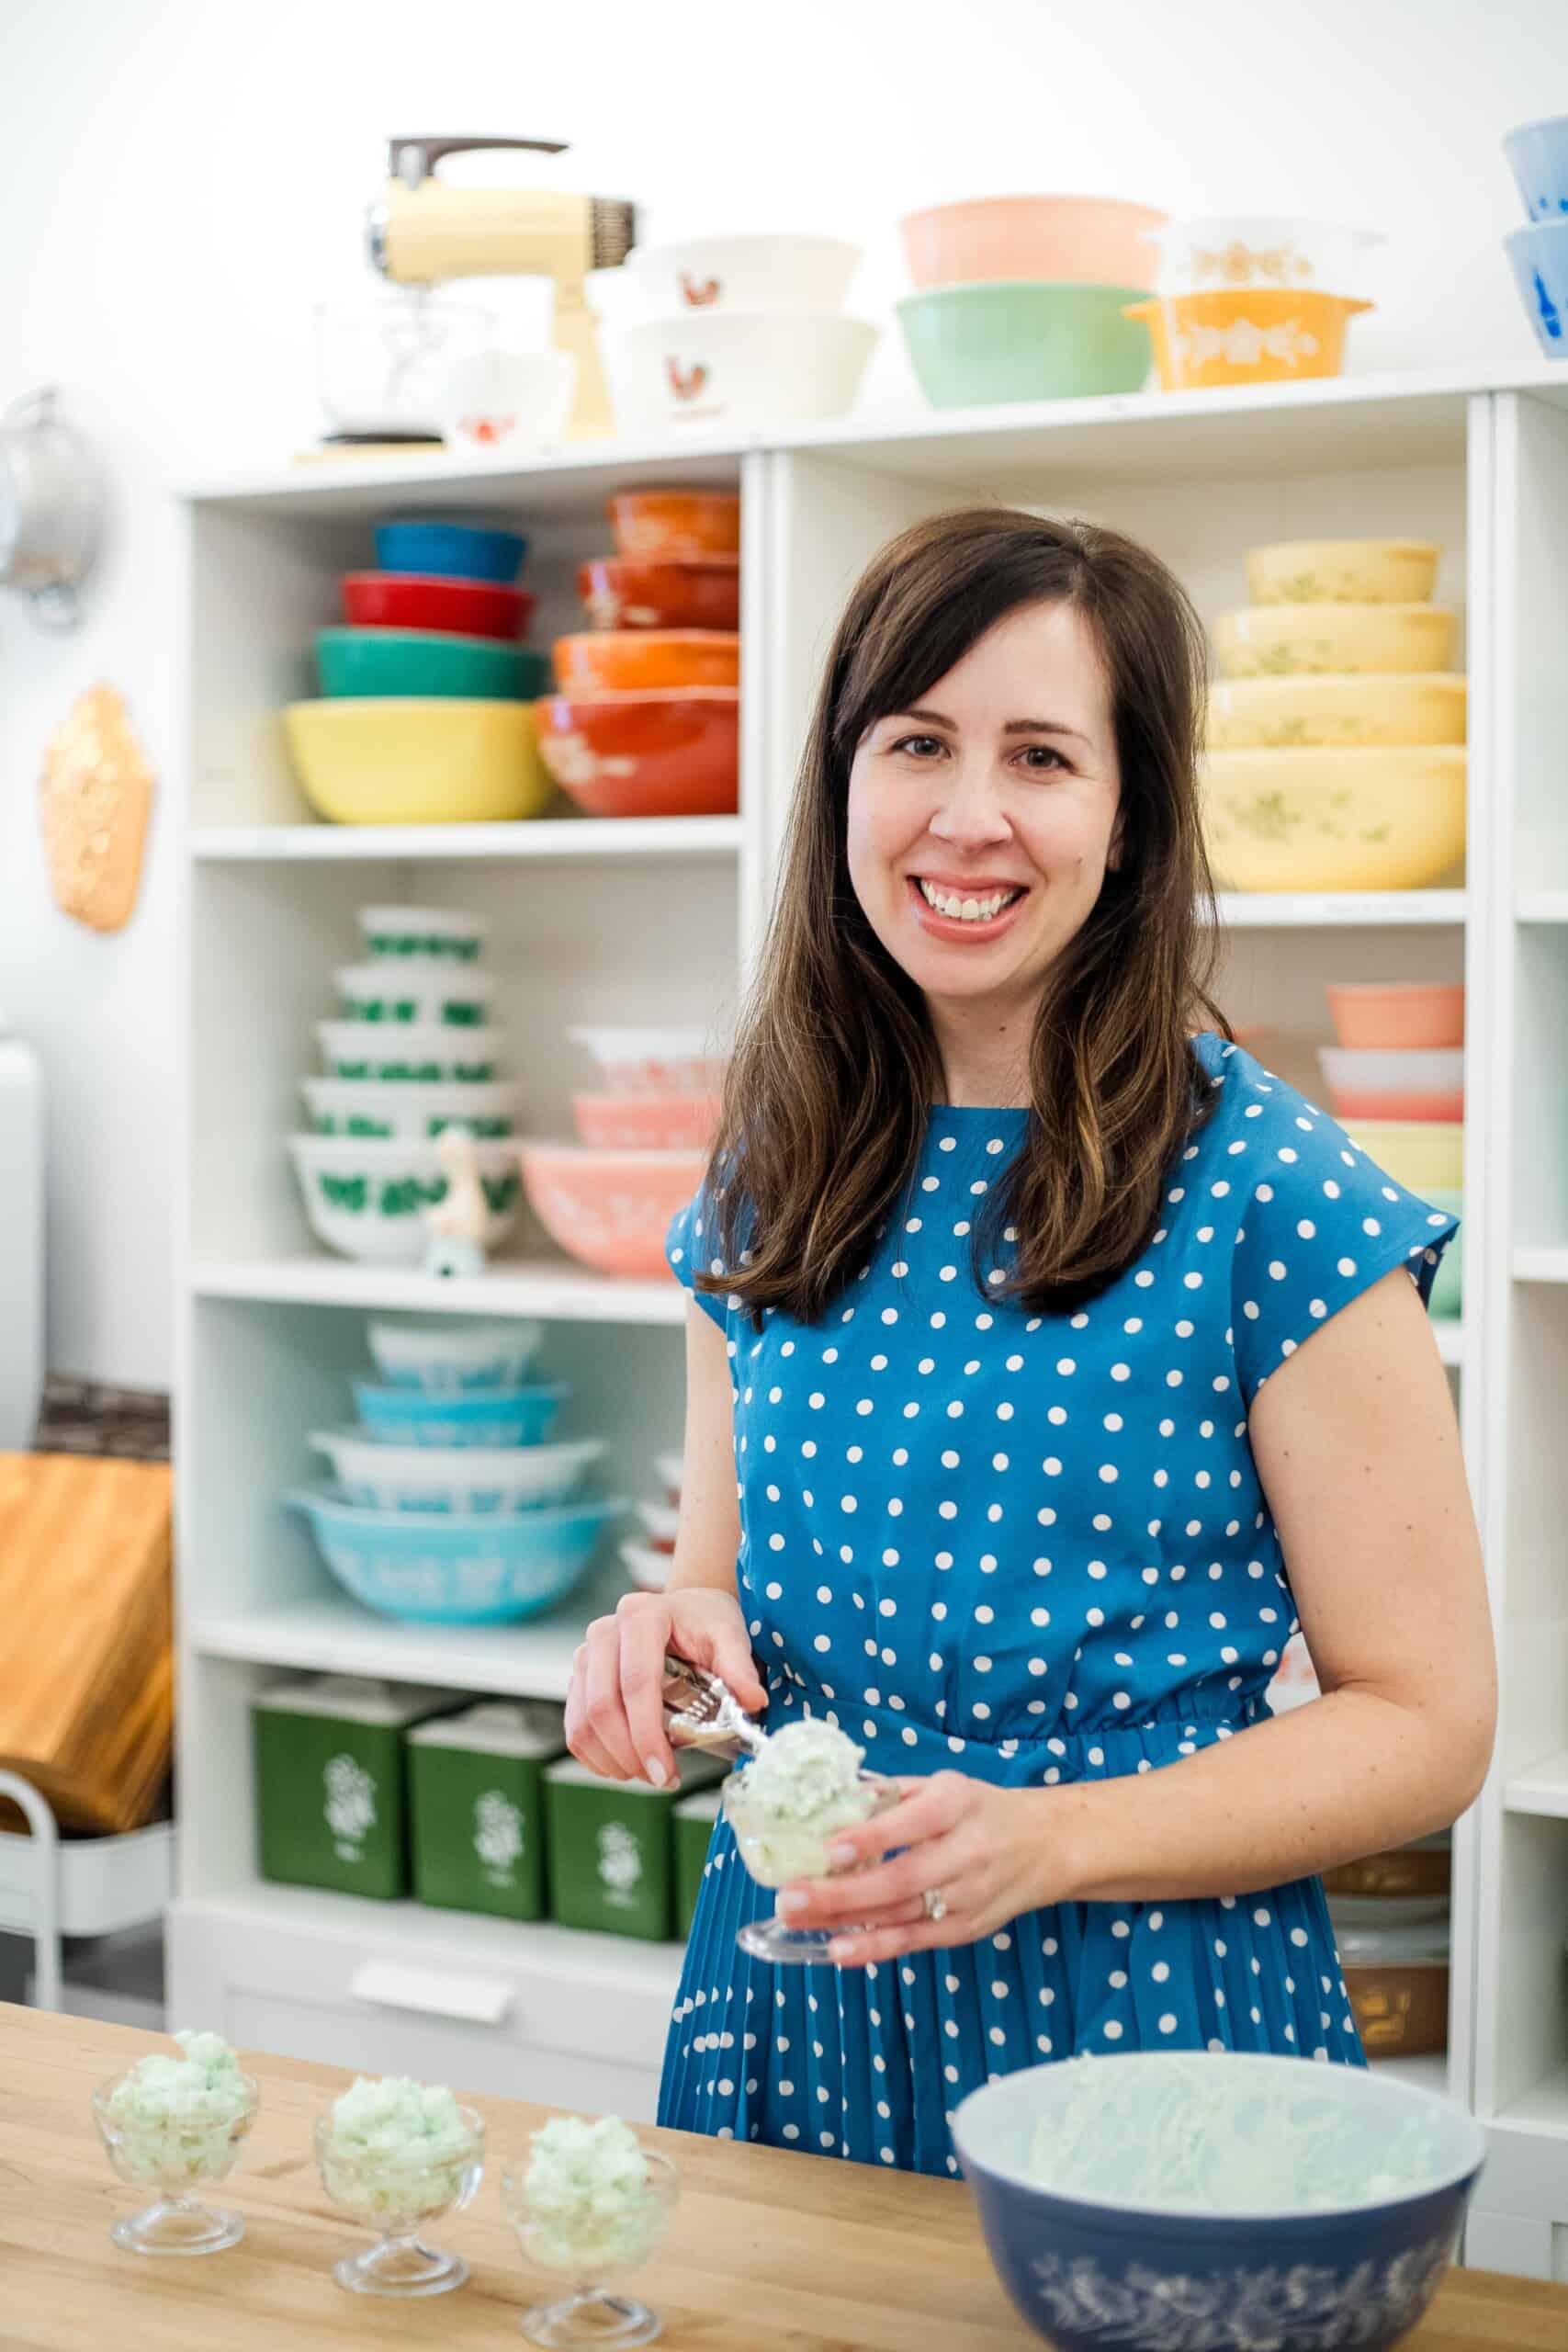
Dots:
{"x": 1035, "y": 1549}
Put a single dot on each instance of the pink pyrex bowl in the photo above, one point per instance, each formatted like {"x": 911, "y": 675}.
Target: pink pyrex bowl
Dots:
{"x": 610, "y": 1209}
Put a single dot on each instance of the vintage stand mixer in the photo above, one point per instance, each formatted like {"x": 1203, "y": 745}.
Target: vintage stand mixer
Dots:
{"x": 422, "y": 232}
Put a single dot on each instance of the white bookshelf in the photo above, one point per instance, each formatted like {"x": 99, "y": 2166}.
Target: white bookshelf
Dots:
{"x": 659, "y": 921}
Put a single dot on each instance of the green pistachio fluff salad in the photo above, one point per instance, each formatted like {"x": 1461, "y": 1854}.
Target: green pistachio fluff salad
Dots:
{"x": 803, "y": 1787}
{"x": 589, "y": 2206}
{"x": 394, "y": 2150}
{"x": 1174, "y": 2132}
{"x": 175, "y": 2118}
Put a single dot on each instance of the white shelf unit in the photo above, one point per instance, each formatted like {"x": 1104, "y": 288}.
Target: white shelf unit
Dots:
{"x": 666, "y": 919}
{"x": 588, "y": 922}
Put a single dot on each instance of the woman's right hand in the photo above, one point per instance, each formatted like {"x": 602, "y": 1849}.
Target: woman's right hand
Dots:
{"x": 615, "y": 1709}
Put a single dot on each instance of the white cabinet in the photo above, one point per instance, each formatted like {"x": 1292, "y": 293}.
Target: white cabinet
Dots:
{"x": 661, "y": 921}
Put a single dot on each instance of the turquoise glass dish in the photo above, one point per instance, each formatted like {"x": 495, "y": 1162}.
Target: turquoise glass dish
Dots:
{"x": 1023, "y": 339}
{"x": 361, "y": 662}
{"x": 446, "y": 1568}
{"x": 470, "y": 1417}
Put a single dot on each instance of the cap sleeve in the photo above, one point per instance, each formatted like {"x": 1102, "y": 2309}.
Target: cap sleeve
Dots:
{"x": 1322, "y": 1224}
{"x": 687, "y": 1255}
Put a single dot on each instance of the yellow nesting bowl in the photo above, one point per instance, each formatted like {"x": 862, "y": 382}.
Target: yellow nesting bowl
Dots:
{"x": 1337, "y": 820}
{"x": 417, "y": 760}
{"x": 1424, "y": 1155}
{"x": 1343, "y": 572}
{"x": 1245, "y": 334}
{"x": 1295, "y": 641}
{"x": 1248, "y": 714}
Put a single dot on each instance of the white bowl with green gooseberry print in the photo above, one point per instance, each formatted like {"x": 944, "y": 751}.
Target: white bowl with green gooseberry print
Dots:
{"x": 411, "y": 1110}
{"x": 400, "y": 1052}
{"x": 366, "y": 1196}
{"x": 421, "y": 934}
{"x": 428, "y": 995}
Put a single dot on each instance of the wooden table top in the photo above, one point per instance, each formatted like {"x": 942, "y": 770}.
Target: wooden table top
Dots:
{"x": 770, "y": 2251}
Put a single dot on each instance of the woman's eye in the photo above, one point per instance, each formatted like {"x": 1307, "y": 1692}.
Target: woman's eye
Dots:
{"x": 910, "y": 743}
{"x": 1049, "y": 757}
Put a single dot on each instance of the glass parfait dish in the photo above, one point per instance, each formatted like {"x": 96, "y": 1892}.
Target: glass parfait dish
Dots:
{"x": 396, "y": 2187}
{"x": 777, "y": 1852}
{"x": 591, "y": 2206}
{"x": 174, "y": 2148}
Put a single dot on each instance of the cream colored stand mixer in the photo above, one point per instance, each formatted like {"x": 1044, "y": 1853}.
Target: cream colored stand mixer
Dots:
{"x": 422, "y": 231}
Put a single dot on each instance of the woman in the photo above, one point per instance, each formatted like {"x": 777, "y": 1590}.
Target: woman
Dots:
{"x": 1032, "y": 1335}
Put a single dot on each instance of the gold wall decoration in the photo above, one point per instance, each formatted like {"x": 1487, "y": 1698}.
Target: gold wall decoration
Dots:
{"x": 93, "y": 797}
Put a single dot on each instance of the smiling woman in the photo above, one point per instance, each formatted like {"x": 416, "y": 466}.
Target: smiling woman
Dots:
{"x": 1049, "y": 1361}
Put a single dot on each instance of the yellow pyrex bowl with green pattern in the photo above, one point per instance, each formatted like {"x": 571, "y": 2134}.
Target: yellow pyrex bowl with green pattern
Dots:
{"x": 1246, "y": 714}
{"x": 1288, "y": 641}
{"x": 1304, "y": 818}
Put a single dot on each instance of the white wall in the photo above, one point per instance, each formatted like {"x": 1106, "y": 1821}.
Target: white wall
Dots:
{"x": 180, "y": 179}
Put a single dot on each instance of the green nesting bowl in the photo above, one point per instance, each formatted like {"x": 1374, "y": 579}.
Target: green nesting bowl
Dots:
{"x": 1023, "y": 339}
{"x": 1448, "y": 1283}
{"x": 356, "y": 661}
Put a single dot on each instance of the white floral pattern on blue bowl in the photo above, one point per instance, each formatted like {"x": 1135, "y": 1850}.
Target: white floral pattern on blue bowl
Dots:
{"x": 471, "y": 1479}
{"x": 476, "y": 1417}
{"x": 446, "y": 1568}
{"x": 444, "y": 1357}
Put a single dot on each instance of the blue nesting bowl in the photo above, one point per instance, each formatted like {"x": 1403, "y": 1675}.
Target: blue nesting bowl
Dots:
{"x": 472, "y": 1417}
{"x": 1538, "y": 155}
{"x": 444, "y": 1568}
{"x": 1539, "y": 259}
{"x": 450, "y": 551}
{"x": 1092, "y": 2269}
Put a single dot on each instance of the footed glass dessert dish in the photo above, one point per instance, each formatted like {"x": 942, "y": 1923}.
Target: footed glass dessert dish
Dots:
{"x": 171, "y": 2125}
{"x": 396, "y": 2155}
{"x": 589, "y": 2205}
{"x": 785, "y": 1807}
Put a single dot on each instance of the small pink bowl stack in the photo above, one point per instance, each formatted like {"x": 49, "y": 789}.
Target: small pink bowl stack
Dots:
{"x": 1400, "y": 1053}
{"x": 644, "y": 1135}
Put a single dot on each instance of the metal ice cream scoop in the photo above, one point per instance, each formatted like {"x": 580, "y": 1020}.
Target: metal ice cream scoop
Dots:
{"x": 702, "y": 1710}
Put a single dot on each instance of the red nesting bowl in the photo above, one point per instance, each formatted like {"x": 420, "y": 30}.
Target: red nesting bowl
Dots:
{"x": 420, "y": 600}
{"x": 676, "y": 753}
{"x": 629, "y": 592}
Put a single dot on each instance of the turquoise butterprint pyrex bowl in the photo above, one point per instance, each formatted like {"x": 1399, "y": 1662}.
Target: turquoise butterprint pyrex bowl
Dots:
{"x": 360, "y": 662}
{"x": 447, "y": 1569}
{"x": 1024, "y": 339}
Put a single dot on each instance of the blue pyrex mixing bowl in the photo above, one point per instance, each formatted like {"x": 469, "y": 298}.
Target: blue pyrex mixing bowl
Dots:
{"x": 442, "y": 1568}
{"x": 450, "y": 551}
{"x": 470, "y": 1417}
{"x": 1095, "y": 2271}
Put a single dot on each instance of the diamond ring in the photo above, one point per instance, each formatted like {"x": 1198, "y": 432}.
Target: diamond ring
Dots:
{"x": 935, "y": 1903}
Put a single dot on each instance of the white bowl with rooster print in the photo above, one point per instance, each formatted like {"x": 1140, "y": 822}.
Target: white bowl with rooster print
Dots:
{"x": 367, "y": 1197}
{"x": 724, "y": 274}
{"x": 747, "y": 369}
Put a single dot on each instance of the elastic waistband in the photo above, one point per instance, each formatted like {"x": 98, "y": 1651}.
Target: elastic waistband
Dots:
{"x": 897, "y": 1741}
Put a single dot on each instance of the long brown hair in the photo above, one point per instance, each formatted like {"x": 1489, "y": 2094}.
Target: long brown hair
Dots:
{"x": 835, "y": 1064}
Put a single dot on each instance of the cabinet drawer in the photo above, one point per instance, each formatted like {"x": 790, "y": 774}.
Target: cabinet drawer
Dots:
{"x": 526, "y": 2012}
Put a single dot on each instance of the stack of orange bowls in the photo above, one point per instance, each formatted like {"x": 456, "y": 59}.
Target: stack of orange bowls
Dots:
{"x": 1395, "y": 1080}
{"x": 646, "y": 718}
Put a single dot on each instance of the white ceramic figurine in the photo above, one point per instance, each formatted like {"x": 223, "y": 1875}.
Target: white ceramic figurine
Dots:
{"x": 457, "y": 1222}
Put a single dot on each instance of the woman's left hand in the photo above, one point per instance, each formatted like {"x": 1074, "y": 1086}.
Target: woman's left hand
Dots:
{"x": 988, "y": 1852}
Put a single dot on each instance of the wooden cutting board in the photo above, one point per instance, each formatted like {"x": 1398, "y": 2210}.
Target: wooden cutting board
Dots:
{"x": 86, "y": 1664}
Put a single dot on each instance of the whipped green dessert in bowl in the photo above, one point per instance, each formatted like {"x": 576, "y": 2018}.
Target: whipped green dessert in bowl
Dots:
{"x": 169, "y": 2124}
{"x": 803, "y": 1787}
{"x": 590, "y": 2203}
{"x": 394, "y": 2154}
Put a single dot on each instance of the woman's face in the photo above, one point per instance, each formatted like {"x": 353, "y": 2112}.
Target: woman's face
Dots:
{"x": 981, "y": 824}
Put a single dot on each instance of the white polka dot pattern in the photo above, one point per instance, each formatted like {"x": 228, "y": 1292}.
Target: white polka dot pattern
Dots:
{"x": 1035, "y": 1548}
